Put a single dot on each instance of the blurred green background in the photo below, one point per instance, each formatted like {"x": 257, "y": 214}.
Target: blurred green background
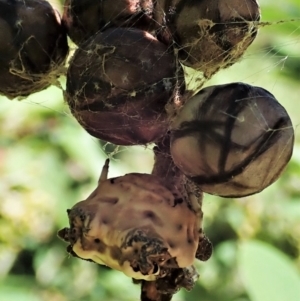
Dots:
{"x": 48, "y": 163}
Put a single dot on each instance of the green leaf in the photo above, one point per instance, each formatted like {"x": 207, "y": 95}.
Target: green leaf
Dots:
{"x": 268, "y": 274}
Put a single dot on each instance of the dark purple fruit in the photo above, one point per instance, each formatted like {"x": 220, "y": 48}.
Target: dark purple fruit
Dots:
{"x": 232, "y": 140}
{"x": 118, "y": 85}
{"x": 33, "y": 46}
{"x": 84, "y": 18}
{"x": 209, "y": 35}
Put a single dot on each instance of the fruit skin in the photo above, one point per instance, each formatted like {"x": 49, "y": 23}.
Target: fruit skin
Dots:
{"x": 134, "y": 224}
{"x": 118, "y": 85}
{"x": 232, "y": 140}
{"x": 84, "y": 18}
{"x": 33, "y": 47}
{"x": 209, "y": 35}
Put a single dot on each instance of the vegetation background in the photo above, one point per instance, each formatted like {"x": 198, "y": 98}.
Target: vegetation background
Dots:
{"x": 48, "y": 162}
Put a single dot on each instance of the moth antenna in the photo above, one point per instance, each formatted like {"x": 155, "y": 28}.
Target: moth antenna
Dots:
{"x": 104, "y": 172}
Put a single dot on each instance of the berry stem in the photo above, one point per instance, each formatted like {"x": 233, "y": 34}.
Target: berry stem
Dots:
{"x": 164, "y": 166}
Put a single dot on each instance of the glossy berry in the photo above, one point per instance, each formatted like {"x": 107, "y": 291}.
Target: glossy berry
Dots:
{"x": 232, "y": 140}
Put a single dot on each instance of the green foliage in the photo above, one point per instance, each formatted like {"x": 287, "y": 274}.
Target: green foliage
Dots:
{"x": 48, "y": 163}
{"x": 268, "y": 274}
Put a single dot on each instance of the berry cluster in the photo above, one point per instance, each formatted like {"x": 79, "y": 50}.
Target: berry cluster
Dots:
{"x": 126, "y": 84}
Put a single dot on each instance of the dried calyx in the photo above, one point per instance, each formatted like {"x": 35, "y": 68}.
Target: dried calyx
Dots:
{"x": 33, "y": 47}
{"x": 119, "y": 83}
{"x": 123, "y": 225}
{"x": 163, "y": 289}
{"x": 232, "y": 140}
